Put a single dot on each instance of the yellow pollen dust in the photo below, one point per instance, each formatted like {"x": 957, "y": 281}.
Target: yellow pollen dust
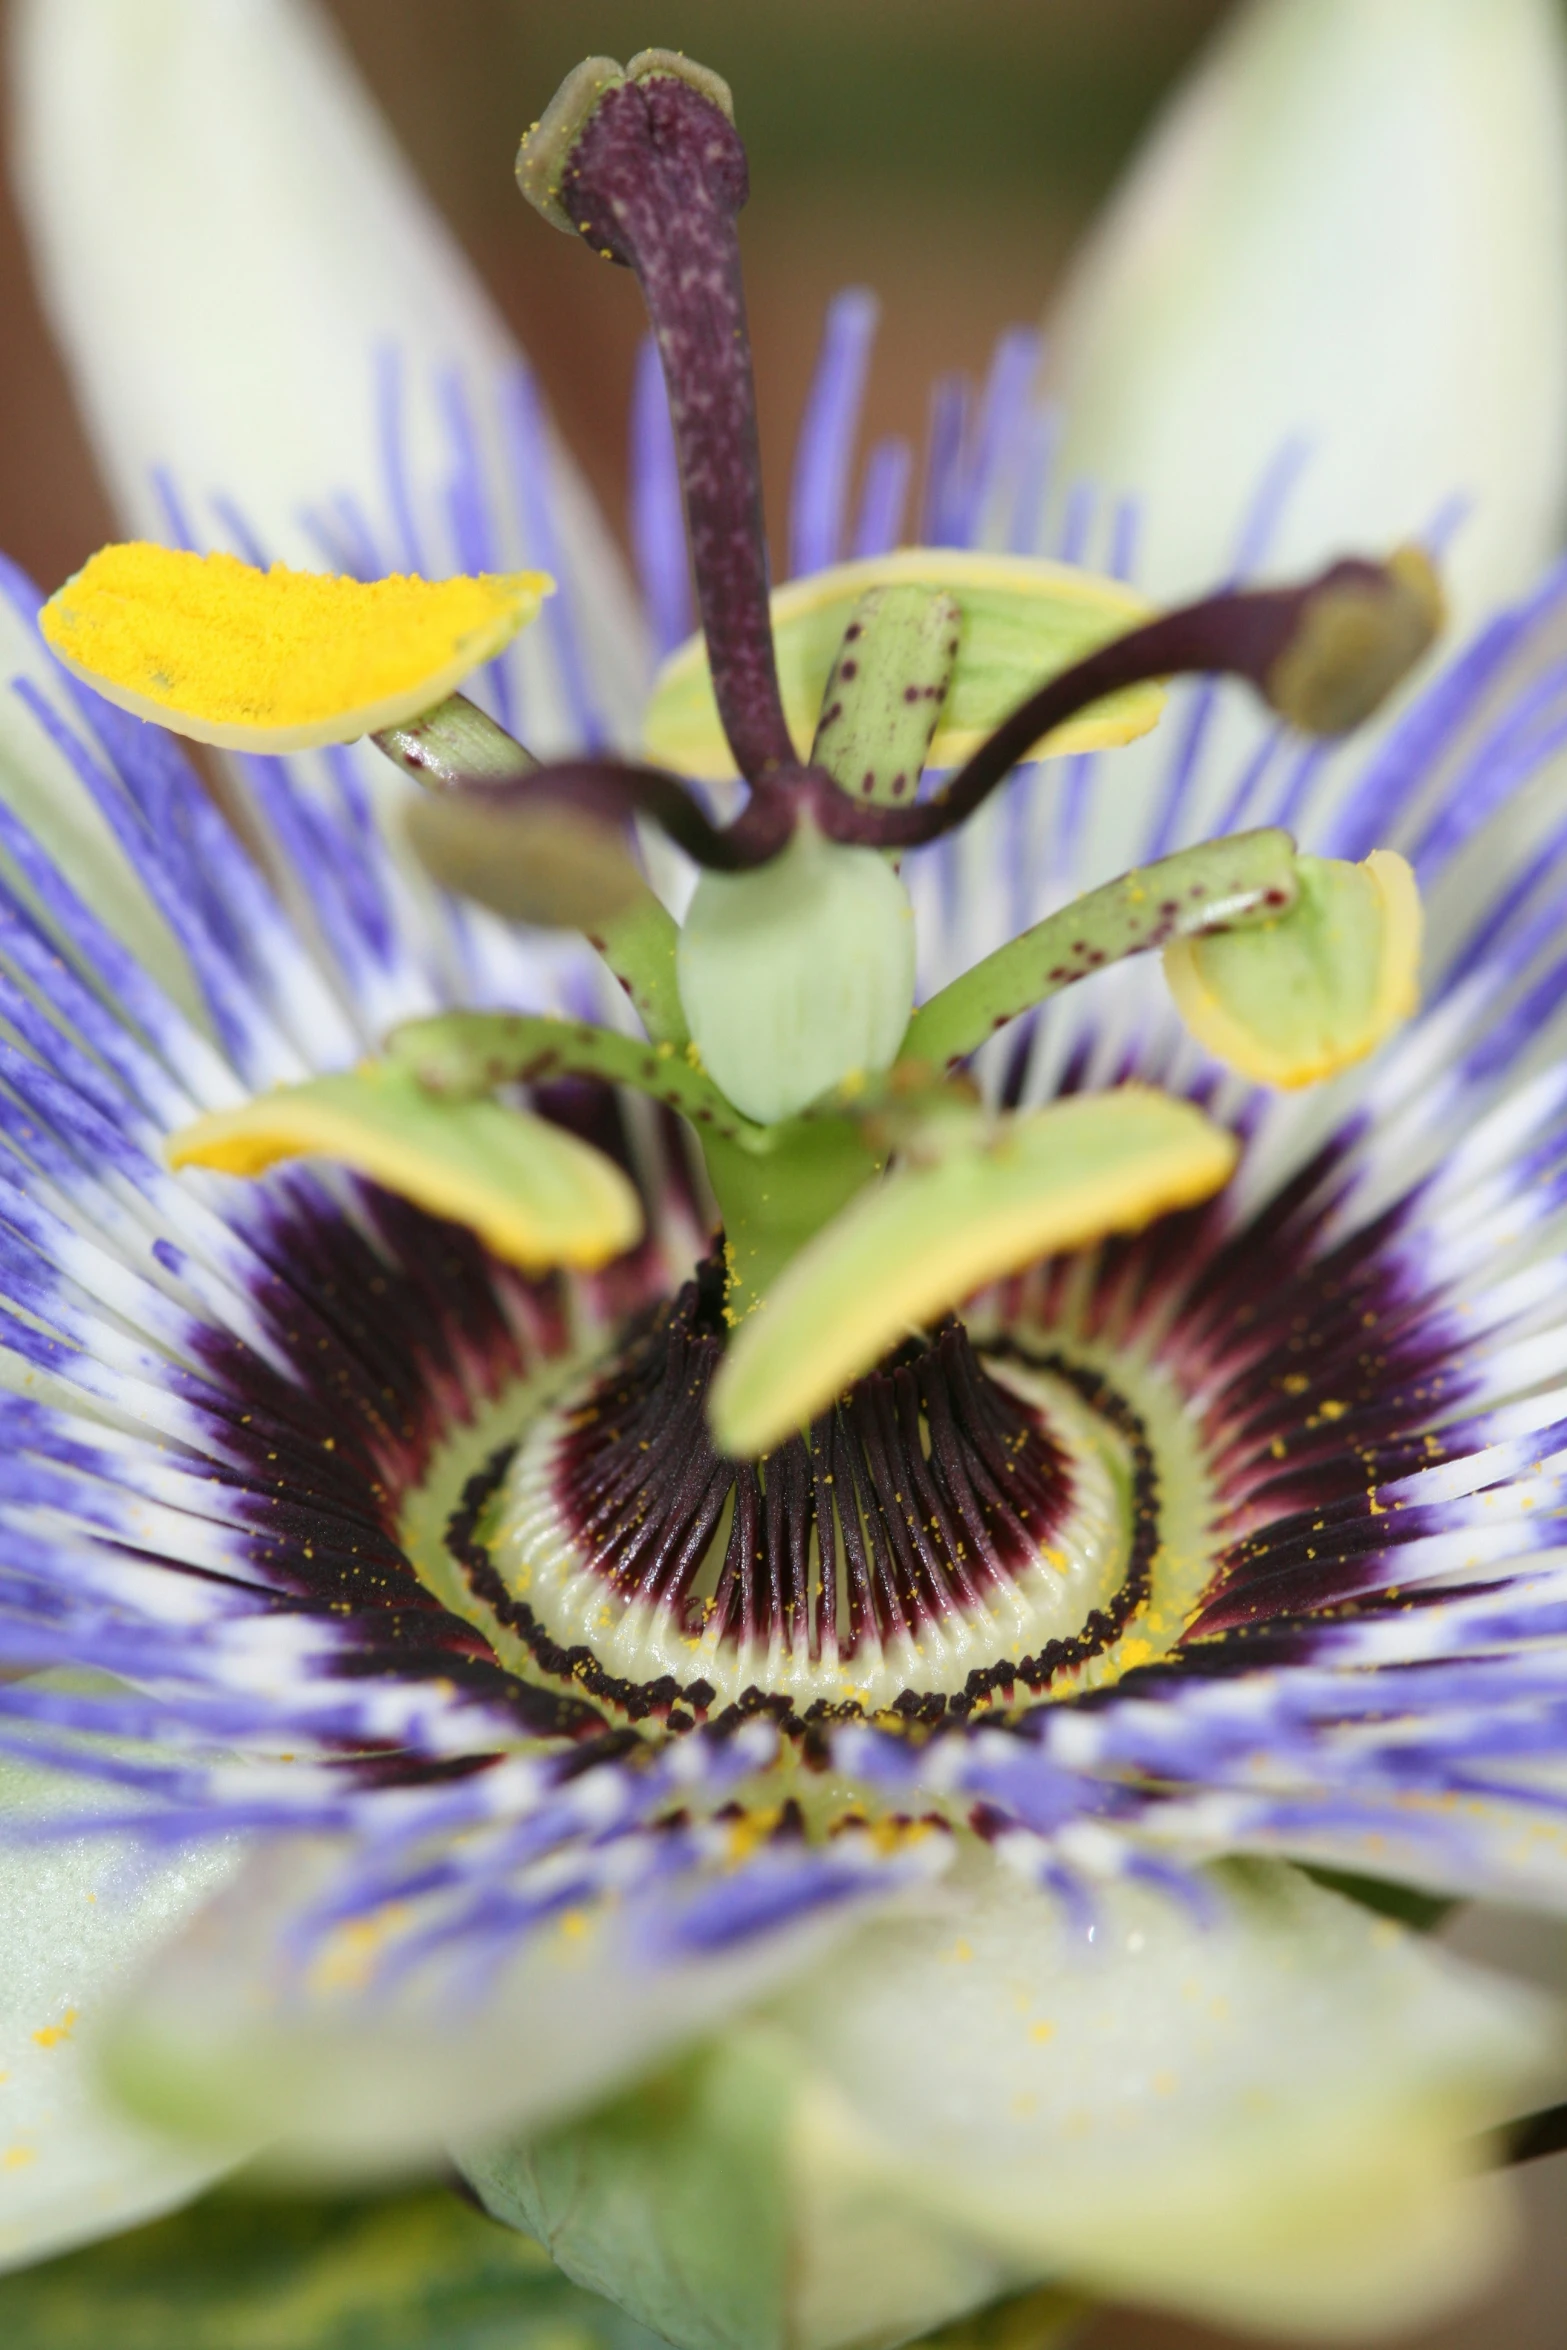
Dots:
{"x": 276, "y": 660}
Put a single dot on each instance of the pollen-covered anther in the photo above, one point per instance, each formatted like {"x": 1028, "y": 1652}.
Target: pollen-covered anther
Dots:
{"x": 278, "y": 660}
{"x": 951, "y": 1530}
{"x": 536, "y": 1194}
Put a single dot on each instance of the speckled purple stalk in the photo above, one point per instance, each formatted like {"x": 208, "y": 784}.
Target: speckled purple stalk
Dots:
{"x": 1237, "y": 634}
{"x": 656, "y": 180}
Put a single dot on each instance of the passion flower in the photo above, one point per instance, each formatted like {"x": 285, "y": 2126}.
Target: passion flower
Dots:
{"x": 771, "y": 1622}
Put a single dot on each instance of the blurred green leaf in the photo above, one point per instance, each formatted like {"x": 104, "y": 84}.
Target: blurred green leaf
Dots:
{"x": 417, "y": 2271}
{"x": 674, "y": 2196}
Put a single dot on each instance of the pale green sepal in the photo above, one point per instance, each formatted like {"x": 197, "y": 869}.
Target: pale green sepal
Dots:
{"x": 871, "y": 2263}
{"x": 1268, "y": 2114}
{"x": 237, "y": 336}
{"x": 672, "y": 2202}
{"x": 241, "y": 2272}
{"x": 462, "y": 1056}
{"x": 883, "y": 700}
{"x": 1298, "y": 997}
{"x": 1222, "y": 885}
{"x": 535, "y": 1194}
{"x": 78, "y": 1915}
{"x": 799, "y": 975}
{"x": 1023, "y": 621}
{"x": 1000, "y": 1193}
{"x": 1239, "y": 295}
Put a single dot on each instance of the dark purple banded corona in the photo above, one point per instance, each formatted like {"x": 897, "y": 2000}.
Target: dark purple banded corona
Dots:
{"x": 951, "y": 1533}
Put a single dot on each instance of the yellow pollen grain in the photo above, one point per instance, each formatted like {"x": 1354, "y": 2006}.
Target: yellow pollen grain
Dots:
{"x": 17, "y": 2157}
{"x": 347, "y": 1960}
{"x": 1042, "y": 2032}
{"x": 275, "y": 659}
{"x": 52, "y": 2034}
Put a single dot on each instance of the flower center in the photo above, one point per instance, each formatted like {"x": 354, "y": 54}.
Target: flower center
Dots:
{"x": 961, "y": 1527}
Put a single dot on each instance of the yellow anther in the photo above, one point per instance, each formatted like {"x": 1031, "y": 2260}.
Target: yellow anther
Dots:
{"x": 534, "y": 1193}
{"x": 1292, "y": 1001}
{"x": 276, "y": 660}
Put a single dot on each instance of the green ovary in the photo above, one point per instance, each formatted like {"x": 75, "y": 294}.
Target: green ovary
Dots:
{"x": 799, "y": 976}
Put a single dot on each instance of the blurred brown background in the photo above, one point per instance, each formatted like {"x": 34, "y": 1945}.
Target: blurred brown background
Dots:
{"x": 946, "y": 152}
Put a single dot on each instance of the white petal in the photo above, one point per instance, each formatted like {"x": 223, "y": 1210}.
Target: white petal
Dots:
{"x": 1265, "y": 2119}
{"x": 349, "y": 2074}
{"x": 76, "y": 1917}
{"x": 228, "y": 241}
{"x": 1350, "y": 224}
